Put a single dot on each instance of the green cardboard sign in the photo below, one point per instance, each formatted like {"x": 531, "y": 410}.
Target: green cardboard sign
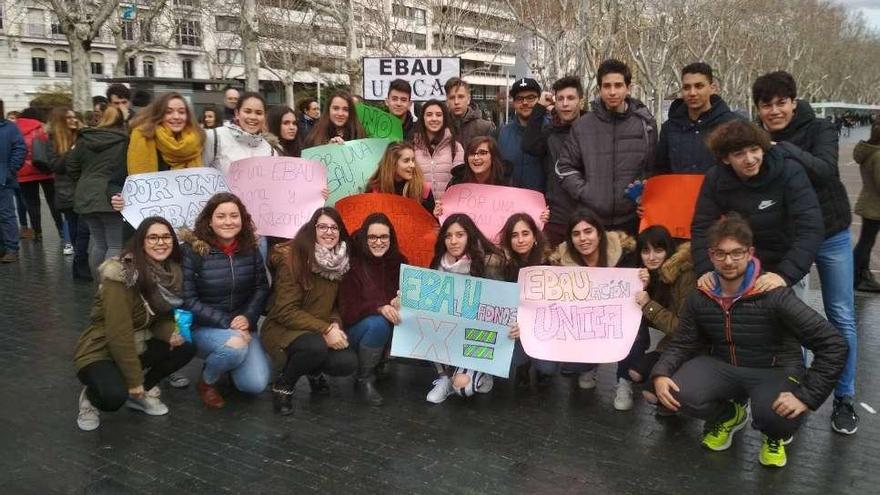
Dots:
{"x": 378, "y": 123}
{"x": 349, "y": 165}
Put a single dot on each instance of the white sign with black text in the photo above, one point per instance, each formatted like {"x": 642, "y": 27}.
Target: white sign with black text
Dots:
{"x": 426, "y": 75}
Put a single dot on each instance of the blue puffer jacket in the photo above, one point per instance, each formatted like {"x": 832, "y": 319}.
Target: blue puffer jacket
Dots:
{"x": 526, "y": 170}
{"x": 682, "y": 148}
{"x": 217, "y": 287}
{"x": 12, "y": 153}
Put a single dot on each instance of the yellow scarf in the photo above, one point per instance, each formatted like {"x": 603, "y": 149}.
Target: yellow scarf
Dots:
{"x": 183, "y": 152}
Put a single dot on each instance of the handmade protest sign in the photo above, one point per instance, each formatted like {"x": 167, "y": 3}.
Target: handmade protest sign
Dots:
{"x": 426, "y": 75}
{"x": 670, "y": 200}
{"x": 455, "y": 319}
{"x": 416, "y": 229}
{"x": 349, "y": 165}
{"x": 379, "y": 124}
{"x": 176, "y": 195}
{"x": 490, "y": 206}
{"x": 578, "y": 314}
{"x": 281, "y": 193}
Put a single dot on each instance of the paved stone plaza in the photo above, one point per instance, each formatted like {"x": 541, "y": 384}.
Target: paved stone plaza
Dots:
{"x": 559, "y": 440}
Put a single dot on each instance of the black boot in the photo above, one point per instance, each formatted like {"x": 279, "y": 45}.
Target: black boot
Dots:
{"x": 866, "y": 282}
{"x": 318, "y": 384}
{"x": 282, "y": 396}
{"x": 368, "y": 358}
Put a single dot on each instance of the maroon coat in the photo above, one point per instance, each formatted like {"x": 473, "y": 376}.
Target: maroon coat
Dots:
{"x": 369, "y": 284}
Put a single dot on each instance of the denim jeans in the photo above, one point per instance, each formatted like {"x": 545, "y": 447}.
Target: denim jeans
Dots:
{"x": 835, "y": 264}
{"x": 372, "y": 331}
{"x": 249, "y": 364}
{"x": 105, "y": 230}
{"x": 542, "y": 367}
{"x": 8, "y": 225}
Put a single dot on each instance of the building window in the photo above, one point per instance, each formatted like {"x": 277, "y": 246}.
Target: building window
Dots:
{"x": 226, "y": 56}
{"x": 186, "y": 3}
{"x": 145, "y": 31}
{"x": 38, "y": 62}
{"x": 419, "y": 40}
{"x": 128, "y": 30}
{"x": 56, "y": 28}
{"x": 189, "y": 33}
{"x": 187, "y": 65}
{"x": 149, "y": 67}
{"x": 412, "y": 13}
{"x": 36, "y": 23}
{"x": 97, "y": 64}
{"x": 62, "y": 63}
{"x": 131, "y": 67}
{"x": 1, "y": 18}
{"x": 227, "y": 24}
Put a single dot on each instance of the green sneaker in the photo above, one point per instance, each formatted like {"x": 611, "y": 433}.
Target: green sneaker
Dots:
{"x": 772, "y": 452}
{"x": 719, "y": 436}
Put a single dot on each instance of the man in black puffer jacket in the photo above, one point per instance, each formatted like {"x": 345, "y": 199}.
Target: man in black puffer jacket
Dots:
{"x": 735, "y": 341}
{"x": 813, "y": 142}
{"x": 767, "y": 186}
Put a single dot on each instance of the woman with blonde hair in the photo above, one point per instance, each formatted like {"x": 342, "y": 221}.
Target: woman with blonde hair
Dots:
{"x": 398, "y": 173}
{"x": 165, "y": 136}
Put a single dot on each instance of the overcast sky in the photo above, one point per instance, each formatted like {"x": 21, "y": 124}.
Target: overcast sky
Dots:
{"x": 871, "y": 9}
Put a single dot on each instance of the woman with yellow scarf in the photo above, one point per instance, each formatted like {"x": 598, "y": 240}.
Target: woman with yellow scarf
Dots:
{"x": 165, "y": 136}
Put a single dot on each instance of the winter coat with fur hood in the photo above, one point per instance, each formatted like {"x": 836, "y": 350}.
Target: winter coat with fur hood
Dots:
{"x": 677, "y": 273}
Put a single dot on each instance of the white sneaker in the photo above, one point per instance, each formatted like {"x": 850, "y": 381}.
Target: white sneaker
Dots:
{"x": 587, "y": 380}
{"x": 68, "y": 249}
{"x": 486, "y": 384}
{"x": 623, "y": 395}
{"x": 177, "y": 380}
{"x": 442, "y": 389}
{"x": 88, "y": 418}
{"x": 149, "y": 404}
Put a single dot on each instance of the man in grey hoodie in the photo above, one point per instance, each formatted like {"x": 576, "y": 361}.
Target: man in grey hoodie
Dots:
{"x": 608, "y": 148}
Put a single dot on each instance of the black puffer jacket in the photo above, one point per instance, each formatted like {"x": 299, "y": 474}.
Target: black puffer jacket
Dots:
{"x": 759, "y": 330}
{"x": 217, "y": 288}
{"x": 681, "y": 148}
{"x": 779, "y": 204}
{"x": 814, "y": 142}
{"x": 545, "y": 140}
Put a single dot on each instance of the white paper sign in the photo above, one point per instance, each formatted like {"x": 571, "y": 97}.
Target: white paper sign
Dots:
{"x": 176, "y": 195}
{"x": 426, "y": 75}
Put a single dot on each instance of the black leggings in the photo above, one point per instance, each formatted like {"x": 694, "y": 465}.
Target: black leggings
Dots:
{"x": 309, "y": 355}
{"x": 105, "y": 386}
{"x": 862, "y": 251}
{"x": 30, "y": 191}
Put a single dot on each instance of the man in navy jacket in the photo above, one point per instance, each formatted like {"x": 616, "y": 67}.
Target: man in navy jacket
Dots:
{"x": 12, "y": 155}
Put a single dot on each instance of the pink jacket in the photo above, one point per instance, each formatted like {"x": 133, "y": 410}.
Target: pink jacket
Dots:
{"x": 437, "y": 167}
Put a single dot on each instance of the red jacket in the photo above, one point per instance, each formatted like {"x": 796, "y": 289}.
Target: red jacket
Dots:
{"x": 31, "y": 129}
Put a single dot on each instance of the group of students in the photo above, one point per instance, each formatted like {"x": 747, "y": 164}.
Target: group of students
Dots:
{"x": 333, "y": 302}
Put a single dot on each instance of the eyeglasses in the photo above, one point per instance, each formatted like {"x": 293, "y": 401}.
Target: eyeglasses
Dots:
{"x": 378, "y": 238}
{"x": 479, "y": 153}
{"x": 527, "y": 99}
{"x": 154, "y": 240}
{"x": 323, "y": 227}
{"x": 735, "y": 255}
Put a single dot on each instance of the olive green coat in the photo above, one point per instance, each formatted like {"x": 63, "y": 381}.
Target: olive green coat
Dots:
{"x": 868, "y": 158}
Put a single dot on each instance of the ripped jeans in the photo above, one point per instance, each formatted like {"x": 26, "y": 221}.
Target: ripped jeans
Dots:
{"x": 247, "y": 363}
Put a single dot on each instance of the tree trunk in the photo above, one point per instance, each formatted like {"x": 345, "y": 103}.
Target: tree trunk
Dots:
{"x": 288, "y": 94}
{"x": 353, "y": 55}
{"x": 250, "y": 45}
{"x": 80, "y": 75}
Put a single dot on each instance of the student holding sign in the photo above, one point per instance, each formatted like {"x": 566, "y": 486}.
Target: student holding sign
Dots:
{"x": 240, "y": 139}
{"x": 366, "y": 298}
{"x": 302, "y": 333}
{"x": 165, "y": 136}
{"x": 225, "y": 288}
{"x": 398, "y": 173}
{"x": 461, "y": 248}
{"x": 132, "y": 342}
{"x": 524, "y": 245}
{"x": 437, "y": 151}
{"x": 589, "y": 244}
{"x": 339, "y": 123}
{"x": 484, "y": 165}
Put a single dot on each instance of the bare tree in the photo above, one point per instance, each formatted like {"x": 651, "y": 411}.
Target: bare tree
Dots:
{"x": 131, "y": 36}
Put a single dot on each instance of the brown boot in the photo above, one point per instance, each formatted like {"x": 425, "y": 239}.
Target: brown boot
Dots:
{"x": 26, "y": 233}
{"x": 9, "y": 257}
{"x": 210, "y": 395}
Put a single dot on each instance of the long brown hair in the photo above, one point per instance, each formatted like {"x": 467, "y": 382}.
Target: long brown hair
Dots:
{"x": 325, "y": 129}
{"x": 537, "y": 255}
{"x": 302, "y": 253}
{"x": 246, "y": 238}
{"x": 111, "y": 118}
{"x": 62, "y": 135}
{"x": 590, "y": 217}
{"x": 386, "y": 175}
{"x": 478, "y": 247}
{"x": 134, "y": 250}
{"x": 151, "y": 117}
{"x": 497, "y": 175}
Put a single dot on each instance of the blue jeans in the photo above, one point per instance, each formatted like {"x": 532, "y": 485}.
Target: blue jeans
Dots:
{"x": 105, "y": 241}
{"x": 8, "y": 225}
{"x": 249, "y": 364}
{"x": 542, "y": 367}
{"x": 835, "y": 264}
{"x": 372, "y": 331}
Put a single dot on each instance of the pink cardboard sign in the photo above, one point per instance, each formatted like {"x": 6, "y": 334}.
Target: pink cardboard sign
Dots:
{"x": 578, "y": 314}
{"x": 490, "y": 206}
{"x": 280, "y": 193}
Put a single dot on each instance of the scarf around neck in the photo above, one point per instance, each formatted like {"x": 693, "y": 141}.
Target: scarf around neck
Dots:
{"x": 167, "y": 278}
{"x": 462, "y": 266}
{"x": 245, "y": 138}
{"x": 331, "y": 264}
{"x": 143, "y": 153}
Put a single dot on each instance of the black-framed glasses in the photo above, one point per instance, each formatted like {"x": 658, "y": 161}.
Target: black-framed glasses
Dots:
{"x": 154, "y": 239}
{"x": 735, "y": 255}
{"x": 323, "y": 227}
{"x": 378, "y": 238}
{"x": 527, "y": 98}
{"x": 480, "y": 153}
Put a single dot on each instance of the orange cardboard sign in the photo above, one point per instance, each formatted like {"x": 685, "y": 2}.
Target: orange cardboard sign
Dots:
{"x": 416, "y": 229}
{"x": 670, "y": 200}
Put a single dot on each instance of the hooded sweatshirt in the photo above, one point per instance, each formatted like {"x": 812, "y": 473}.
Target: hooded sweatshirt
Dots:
{"x": 97, "y": 164}
{"x": 31, "y": 130}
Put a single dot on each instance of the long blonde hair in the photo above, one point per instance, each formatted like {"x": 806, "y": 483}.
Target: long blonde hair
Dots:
{"x": 383, "y": 180}
{"x": 151, "y": 117}
{"x": 63, "y": 136}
